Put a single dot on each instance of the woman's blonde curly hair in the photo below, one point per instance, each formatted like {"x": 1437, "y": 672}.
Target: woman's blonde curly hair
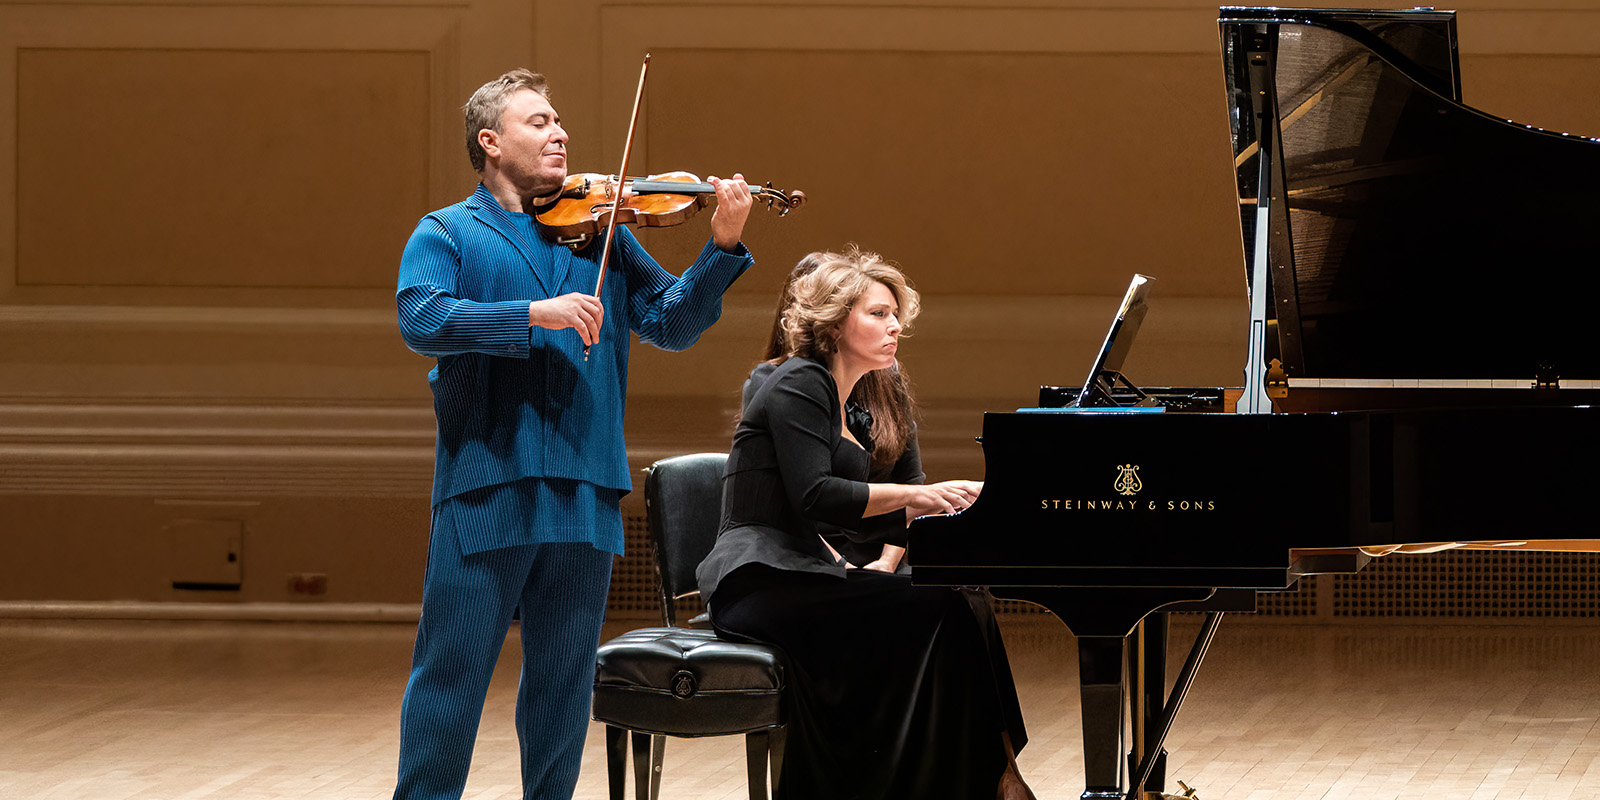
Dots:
{"x": 823, "y": 298}
{"x": 821, "y": 291}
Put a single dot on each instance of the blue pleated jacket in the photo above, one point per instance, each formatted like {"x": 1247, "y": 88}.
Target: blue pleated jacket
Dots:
{"x": 515, "y": 401}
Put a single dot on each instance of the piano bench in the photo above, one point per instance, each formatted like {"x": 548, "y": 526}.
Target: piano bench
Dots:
{"x": 659, "y": 682}
{"x": 685, "y": 682}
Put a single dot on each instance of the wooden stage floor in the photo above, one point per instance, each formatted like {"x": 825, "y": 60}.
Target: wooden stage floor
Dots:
{"x": 93, "y": 710}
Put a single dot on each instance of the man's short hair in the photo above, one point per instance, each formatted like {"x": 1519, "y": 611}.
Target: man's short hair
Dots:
{"x": 484, "y": 109}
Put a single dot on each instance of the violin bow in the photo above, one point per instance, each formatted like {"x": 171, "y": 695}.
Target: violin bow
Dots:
{"x": 616, "y": 202}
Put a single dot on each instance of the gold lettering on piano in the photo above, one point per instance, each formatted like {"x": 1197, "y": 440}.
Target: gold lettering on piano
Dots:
{"x": 1059, "y": 504}
{"x": 1127, "y": 484}
{"x": 1127, "y": 479}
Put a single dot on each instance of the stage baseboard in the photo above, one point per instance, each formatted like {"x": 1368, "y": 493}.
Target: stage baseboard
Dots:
{"x": 231, "y": 612}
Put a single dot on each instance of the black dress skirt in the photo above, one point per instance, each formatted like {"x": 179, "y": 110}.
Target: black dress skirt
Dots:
{"x": 897, "y": 692}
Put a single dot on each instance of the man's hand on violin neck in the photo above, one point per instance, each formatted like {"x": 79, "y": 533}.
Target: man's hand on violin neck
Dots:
{"x": 733, "y": 208}
{"x": 575, "y": 310}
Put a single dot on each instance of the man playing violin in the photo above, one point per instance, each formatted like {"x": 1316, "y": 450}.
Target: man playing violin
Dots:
{"x": 530, "y": 464}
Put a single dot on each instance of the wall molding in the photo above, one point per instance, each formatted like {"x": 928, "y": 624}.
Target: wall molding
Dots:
{"x": 84, "y": 446}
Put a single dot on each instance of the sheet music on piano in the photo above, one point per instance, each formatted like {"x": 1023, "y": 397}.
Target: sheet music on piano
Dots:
{"x": 1106, "y": 390}
{"x": 1100, "y": 385}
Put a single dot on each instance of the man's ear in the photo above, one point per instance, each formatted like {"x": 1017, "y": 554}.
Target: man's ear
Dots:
{"x": 490, "y": 142}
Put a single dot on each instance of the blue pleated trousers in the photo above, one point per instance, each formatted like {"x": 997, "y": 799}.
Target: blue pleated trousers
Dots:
{"x": 466, "y": 608}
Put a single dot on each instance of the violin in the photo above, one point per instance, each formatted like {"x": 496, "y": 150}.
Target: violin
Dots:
{"x": 584, "y": 206}
{"x": 629, "y": 196}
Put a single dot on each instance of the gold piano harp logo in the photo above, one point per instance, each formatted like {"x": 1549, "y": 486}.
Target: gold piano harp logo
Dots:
{"x": 1127, "y": 479}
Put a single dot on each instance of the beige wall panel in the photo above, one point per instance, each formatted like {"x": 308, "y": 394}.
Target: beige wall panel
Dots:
{"x": 1020, "y": 190}
{"x": 1499, "y": 27}
{"x": 982, "y": 173}
{"x": 1547, "y": 91}
{"x": 219, "y": 168}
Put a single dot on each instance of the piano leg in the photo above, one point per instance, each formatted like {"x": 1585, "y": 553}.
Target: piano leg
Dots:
{"x": 1147, "y": 682}
{"x": 1103, "y": 618}
{"x": 1100, "y": 688}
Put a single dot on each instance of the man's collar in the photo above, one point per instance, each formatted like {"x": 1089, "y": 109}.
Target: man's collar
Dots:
{"x": 482, "y": 196}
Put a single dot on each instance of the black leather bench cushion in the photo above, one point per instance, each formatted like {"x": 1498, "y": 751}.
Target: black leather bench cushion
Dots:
{"x": 687, "y": 682}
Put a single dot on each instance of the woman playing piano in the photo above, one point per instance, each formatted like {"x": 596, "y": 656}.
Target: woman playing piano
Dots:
{"x": 896, "y": 691}
{"x": 880, "y": 398}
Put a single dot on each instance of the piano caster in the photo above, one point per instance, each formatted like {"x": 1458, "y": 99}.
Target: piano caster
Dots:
{"x": 1188, "y": 794}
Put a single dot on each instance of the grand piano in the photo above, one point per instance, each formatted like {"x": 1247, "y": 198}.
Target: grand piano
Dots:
{"x": 1421, "y": 375}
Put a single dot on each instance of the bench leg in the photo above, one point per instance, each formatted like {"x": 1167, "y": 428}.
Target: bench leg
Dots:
{"x": 617, "y": 760}
{"x": 648, "y": 752}
{"x": 775, "y": 740}
{"x": 658, "y": 754}
{"x": 755, "y": 754}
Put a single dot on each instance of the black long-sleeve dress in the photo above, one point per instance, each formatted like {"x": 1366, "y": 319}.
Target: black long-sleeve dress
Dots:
{"x": 896, "y": 691}
{"x": 907, "y": 468}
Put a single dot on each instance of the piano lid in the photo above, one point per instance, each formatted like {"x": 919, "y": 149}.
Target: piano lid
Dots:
{"x": 1417, "y": 237}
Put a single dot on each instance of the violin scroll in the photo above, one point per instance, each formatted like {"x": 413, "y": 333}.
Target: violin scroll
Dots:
{"x": 777, "y": 199}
